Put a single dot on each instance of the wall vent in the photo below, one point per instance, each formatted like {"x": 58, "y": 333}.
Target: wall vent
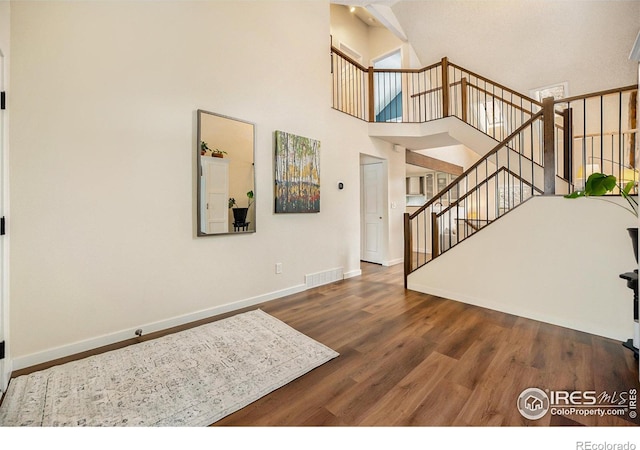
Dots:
{"x": 326, "y": 277}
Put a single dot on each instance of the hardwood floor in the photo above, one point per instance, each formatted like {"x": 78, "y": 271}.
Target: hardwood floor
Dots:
{"x": 408, "y": 359}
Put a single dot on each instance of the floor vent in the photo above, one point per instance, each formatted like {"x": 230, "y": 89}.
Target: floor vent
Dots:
{"x": 320, "y": 278}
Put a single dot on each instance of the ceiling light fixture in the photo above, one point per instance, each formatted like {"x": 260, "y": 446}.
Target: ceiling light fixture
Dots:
{"x": 352, "y": 9}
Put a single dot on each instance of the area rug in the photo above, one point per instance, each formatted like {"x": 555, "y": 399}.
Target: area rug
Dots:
{"x": 191, "y": 378}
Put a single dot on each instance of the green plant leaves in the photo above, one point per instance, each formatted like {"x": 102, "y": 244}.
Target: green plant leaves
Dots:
{"x": 599, "y": 184}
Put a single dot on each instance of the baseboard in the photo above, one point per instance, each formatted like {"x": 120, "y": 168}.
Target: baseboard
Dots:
{"x": 393, "y": 262}
{"x": 352, "y": 273}
{"x": 113, "y": 338}
{"x": 575, "y": 324}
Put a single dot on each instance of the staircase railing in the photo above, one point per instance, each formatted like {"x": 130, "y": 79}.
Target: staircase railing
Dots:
{"x": 417, "y": 95}
{"x": 504, "y": 178}
{"x": 598, "y": 133}
{"x": 543, "y": 145}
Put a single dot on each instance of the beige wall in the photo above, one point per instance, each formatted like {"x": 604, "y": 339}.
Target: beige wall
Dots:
{"x": 370, "y": 42}
{"x": 103, "y": 155}
{"x": 102, "y": 163}
{"x": 551, "y": 259}
{"x": 525, "y": 44}
{"x": 347, "y": 29}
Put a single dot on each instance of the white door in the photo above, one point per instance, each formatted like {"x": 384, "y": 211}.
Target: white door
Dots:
{"x": 373, "y": 213}
{"x": 216, "y": 194}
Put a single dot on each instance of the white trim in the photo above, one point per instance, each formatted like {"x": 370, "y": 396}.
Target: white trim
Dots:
{"x": 352, "y": 273}
{"x": 349, "y": 51}
{"x": 112, "y": 338}
{"x": 577, "y": 325}
{"x": 387, "y": 55}
{"x": 393, "y": 262}
{"x": 635, "y": 51}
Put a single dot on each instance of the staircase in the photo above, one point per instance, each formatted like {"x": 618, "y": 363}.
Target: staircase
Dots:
{"x": 546, "y": 147}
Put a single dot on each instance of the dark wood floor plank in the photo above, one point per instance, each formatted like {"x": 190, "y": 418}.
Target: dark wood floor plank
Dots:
{"x": 400, "y": 403}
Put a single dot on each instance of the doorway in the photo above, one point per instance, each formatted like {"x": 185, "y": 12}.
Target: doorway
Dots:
{"x": 388, "y": 88}
{"x": 373, "y": 211}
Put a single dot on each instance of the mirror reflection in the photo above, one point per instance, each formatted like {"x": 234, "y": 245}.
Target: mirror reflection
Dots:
{"x": 226, "y": 185}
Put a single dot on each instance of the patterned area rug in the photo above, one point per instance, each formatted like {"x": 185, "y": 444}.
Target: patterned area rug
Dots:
{"x": 191, "y": 378}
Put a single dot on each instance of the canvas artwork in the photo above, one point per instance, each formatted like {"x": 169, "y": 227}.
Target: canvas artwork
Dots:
{"x": 297, "y": 177}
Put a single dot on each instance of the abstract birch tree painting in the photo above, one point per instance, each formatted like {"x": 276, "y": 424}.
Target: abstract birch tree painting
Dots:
{"x": 297, "y": 174}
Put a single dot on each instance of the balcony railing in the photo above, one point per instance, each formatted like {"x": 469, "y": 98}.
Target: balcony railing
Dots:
{"x": 541, "y": 146}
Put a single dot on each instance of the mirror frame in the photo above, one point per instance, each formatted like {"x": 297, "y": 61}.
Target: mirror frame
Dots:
{"x": 199, "y": 193}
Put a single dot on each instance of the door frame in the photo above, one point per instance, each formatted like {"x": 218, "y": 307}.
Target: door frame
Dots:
{"x": 5, "y": 364}
{"x": 384, "y": 252}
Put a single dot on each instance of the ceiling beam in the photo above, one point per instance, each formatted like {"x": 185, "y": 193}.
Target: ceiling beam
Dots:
{"x": 428, "y": 162}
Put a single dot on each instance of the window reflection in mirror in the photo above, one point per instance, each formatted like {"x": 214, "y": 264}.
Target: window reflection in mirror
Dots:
{"x": 226, "y": 184}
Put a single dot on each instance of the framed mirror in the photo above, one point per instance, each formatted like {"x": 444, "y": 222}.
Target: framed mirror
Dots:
{"x": 226, "y": 177}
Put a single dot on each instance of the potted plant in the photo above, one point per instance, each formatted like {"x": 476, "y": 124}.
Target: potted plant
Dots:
{"x": 216, "y": 153}
{"x": 599, "y": 184}
{"x": 240, "y": 214}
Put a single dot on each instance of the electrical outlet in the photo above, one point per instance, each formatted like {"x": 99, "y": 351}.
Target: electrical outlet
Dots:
{"x": 278, "y": 267}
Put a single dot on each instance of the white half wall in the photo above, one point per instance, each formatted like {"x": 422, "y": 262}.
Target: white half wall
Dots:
{"x": 552, "y": 259}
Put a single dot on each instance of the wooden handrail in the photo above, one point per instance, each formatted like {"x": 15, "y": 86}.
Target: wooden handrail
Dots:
{"x": 504, "y": 88}
{"x": 596, "y": 94}
{"x": 479, "y": 89}
{"x": 513, "y": 105}
{"x": 485, "y": 181}
{"x": 423, "y": 69}
{"x": 484, "y": 158}
{"x": 606, "y": 133}
{"x": 348, "y": 58}
{"x": 426, "y": 92}
{"x": 435, "y": 243}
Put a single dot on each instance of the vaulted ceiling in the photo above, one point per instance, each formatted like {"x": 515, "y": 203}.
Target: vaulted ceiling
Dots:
{"x": 522, "y": 44}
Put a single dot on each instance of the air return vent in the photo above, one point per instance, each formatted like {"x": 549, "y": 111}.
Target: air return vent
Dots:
{"x": 326, "y": 277}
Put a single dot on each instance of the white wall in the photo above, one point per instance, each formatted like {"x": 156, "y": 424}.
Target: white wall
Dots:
{"x": 370, "y": 42}
{"x": 347, "y": 29}
{"x": 103, "y": 156}
{"x": 551, "y": 259}
{"x": 525, "y": 44}
{"x": 454, "y": 154}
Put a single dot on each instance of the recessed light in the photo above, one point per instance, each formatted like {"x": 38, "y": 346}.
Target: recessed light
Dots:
{"x": 352, "y": 9}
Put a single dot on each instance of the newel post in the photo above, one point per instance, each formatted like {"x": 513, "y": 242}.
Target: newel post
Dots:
{"x": 549, "y": 159}
{"x": 407, "y": 247}
{"x": 435, "y": 233}
{"x": 567, "y": 125}
{"x": 372, "y": 113}
{"x": 445, "y": 87}
{"x": 463, "y": 98}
